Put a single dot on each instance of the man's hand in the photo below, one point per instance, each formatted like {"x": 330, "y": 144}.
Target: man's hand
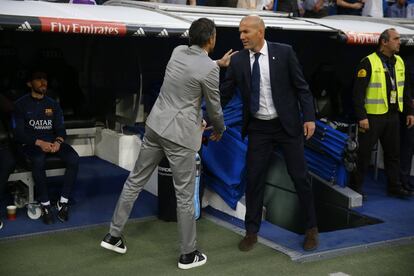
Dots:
{"x": 55, "y": 147}
{"x": 225, "y": 60}
{"x": 215, "y": 136}
{"x": 410, "y": 121}
{"x": 203, "y": 125}
{"x": 44, "y": 146}
{"x": 364, "y": 124}
{"x": 308, "y": 129}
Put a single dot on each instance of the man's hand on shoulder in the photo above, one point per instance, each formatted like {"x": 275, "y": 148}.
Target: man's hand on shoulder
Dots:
{"x": 225, "y": 60}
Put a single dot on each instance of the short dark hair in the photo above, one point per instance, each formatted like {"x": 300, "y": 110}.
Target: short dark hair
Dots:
{"x": 385, "y": 35}
{"x": 36, "y": 72}
{"x": 200, "y": 31}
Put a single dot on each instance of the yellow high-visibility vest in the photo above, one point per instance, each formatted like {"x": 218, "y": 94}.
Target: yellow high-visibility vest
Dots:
{"x": 376, "y": 101}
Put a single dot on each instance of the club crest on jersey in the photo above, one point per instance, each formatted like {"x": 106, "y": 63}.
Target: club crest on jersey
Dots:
{"x": 49, "y": 112}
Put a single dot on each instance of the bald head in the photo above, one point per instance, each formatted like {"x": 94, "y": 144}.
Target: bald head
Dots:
{"x": 254, "y": 20}
{"x": 252, "y": 30}
{"x": 389, "y": 42}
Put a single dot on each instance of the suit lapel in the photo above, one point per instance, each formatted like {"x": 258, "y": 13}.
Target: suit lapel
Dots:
{"x": 273, "y": 62}
{"x": 247, "y": 74}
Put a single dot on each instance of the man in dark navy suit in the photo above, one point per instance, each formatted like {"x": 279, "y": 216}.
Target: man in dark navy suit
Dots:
{"x": 278, "y": 110}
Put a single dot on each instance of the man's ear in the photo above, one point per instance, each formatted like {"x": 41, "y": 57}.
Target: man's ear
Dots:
{"x": 29, "y": 84}
{"x": 262, "y": 33}
{"x": 210, "y": 40}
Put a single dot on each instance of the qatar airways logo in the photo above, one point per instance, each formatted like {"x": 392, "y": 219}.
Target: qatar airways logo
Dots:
{"x": 41, "y": 124}
{"x": 59, "y": 25}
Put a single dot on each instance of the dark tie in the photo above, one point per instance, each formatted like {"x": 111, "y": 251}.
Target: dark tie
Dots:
{"x": 255, "y": 96}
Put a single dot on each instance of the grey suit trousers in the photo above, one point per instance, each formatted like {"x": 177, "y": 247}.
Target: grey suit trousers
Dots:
{"x": 182, "y": 162}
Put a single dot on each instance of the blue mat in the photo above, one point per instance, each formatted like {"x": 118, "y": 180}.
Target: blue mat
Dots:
{"x": 95, "y": 194}
{"x": 397, "y": 214}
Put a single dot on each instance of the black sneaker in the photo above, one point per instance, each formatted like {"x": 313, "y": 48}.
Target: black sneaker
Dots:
{"x": 114, "y": 244}
{"x": 47, "y": 215}
{"x": 191, "y": 260}
{"x": 63, "y": 211}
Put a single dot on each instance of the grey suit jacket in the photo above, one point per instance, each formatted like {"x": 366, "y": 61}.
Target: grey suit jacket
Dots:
{"x": 176, "y": 115}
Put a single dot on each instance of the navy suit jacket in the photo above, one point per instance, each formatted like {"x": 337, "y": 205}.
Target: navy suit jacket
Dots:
{"x": 291, "y": 95}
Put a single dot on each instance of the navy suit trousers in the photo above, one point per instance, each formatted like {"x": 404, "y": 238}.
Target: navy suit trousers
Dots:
{"x": 264, "y": 136}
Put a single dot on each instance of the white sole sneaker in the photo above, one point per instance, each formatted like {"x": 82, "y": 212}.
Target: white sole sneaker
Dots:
{"x": 113, "y": 247}
{"x": 192, "y": 265}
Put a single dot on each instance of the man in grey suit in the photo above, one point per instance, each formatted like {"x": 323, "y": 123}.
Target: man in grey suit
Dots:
{"x": 174, "y": 129}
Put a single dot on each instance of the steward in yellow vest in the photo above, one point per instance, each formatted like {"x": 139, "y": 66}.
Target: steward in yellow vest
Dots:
{"x": 376, "y": 98}
{"x": 381, "y": 92}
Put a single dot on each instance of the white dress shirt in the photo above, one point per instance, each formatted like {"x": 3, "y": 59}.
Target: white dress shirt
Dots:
{"x": 267, "y": 110}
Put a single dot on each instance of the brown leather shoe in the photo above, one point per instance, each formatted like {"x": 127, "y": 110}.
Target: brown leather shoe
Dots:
{"x": 247, "y": 243}
{"x": 311, "y": 239}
